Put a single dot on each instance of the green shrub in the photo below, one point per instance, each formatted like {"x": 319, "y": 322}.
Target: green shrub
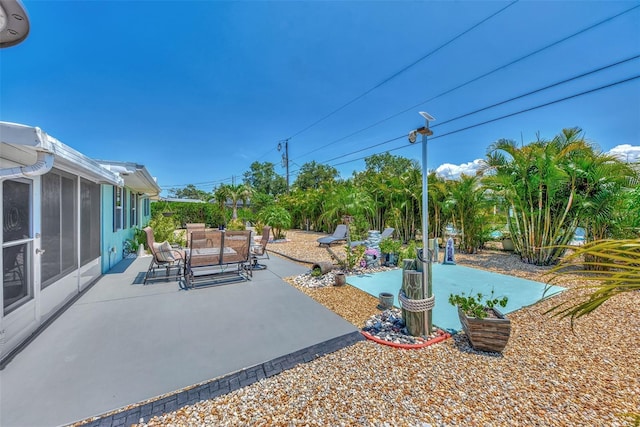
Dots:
{"x": 163, "y": 229}
{"x": 409, "y": 251}
{"x": 390, "y": 246}
{"x": 278, "y": 218}
{"x": 185, "y": 212}
{"x": 139, "y": 236}
{"x": 236, "y": 224}
{"x": 354, "y": 255}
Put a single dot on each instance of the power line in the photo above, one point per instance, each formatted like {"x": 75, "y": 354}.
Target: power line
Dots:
{"x": 599, "y": 69}
{"x": 540, "y": 89}
{"x": 195, "y": 183}
{"x": 535, "y": 52}
{"x": 526, "y": 110}
{"x": 402, "y": 70}
{"x": 213, "y": 183}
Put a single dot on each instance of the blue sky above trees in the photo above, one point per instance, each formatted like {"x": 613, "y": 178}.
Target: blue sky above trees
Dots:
{"x": 197, "y": 91}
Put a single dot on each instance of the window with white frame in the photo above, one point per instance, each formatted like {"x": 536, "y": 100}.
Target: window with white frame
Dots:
{"x": 125, "y": 215}
{"x": 133, "y": 209}
{"x": 117, "y": 208}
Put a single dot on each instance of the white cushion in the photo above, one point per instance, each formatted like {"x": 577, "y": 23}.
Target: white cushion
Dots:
{"x": 164, "y": 252}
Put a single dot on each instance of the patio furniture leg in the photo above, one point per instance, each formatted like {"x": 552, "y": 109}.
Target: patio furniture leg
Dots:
{"x": 149, "y": 270}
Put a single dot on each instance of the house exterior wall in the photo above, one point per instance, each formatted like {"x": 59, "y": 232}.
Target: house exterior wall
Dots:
{"x": 114, "y": 238}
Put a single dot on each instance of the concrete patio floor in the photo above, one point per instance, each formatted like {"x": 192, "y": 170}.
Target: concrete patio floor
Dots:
{"x": 122, "y": 343}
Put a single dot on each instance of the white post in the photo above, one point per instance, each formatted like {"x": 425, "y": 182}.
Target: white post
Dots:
{"x": 426, "y": 291}
{"x": 426, "y": 259}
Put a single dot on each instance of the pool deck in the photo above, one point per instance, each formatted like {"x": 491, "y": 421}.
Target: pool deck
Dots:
{"x": 122, "y": 343}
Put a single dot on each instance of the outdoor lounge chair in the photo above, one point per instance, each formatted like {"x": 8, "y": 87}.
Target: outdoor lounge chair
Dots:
{"x": 163, "y": 255}
{"x": 386, "y": 233}
{"x": 259, "y": 250}
{"x": 339, "y": 235}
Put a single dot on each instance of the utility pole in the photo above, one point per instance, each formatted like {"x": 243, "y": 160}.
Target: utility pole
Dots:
{"x": 285, "y": 157}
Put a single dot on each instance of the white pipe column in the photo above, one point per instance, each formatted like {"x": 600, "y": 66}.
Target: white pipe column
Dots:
{"x": 426, "y": 259}
{"x": 426, "y": 255}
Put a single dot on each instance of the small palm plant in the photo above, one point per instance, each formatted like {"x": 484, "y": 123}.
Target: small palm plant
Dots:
{"x": 614, "y": 269}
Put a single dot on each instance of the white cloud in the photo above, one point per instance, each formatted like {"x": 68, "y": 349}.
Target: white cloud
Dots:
{"x": 449, "y": 171}
{"x": 626, "y": 152}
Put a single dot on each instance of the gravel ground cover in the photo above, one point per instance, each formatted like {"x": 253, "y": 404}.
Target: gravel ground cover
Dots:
{"x": 546, "y": 376}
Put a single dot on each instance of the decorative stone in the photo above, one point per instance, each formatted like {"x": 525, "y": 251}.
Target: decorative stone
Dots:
{"x": 372, "y": 251}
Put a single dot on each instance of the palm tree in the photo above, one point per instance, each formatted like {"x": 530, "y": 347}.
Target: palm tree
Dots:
{"x": 345, "y": 199}
{"x": 438, "y": 192}
{"x": 234, "y": 194}
{"x": 537, "y": 185}
{"x": 468, "y": 204}
{"x": 601, "y": 184}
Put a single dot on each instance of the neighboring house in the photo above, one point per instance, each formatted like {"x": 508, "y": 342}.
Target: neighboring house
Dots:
{"x": 58, "y": 225}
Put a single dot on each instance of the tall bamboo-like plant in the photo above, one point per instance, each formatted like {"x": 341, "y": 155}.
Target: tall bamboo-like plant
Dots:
{"x": 602, "y": 181}
{"x": 535, "y": 181}
{"x": 345, "y": 199}
{"x": 438, "y": 207}
{"x": 469, "y": 205}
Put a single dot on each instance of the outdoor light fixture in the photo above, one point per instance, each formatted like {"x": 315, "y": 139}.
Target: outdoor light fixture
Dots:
{"x": 14, "y": 23}
{"x": 427, "y": 116}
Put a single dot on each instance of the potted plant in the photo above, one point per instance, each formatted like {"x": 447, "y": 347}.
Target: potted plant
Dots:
{"x": 486, "y": 327}
{"x": 390, "y": 249}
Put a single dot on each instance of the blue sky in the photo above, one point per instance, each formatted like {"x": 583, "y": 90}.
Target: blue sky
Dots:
{"x": 197, "y": 91}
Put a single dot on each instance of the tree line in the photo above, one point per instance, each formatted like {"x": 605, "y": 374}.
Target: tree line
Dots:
{"x": 537, "y": 193}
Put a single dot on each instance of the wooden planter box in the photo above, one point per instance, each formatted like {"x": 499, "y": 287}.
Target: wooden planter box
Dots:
{"x": 488, "y": 334}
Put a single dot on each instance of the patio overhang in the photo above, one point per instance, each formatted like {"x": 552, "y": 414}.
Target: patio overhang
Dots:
{"x": 135, "y": 176}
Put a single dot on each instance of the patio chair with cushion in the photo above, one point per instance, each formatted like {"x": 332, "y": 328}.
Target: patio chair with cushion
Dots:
{"x": 339, "y": 235}
{"x": 163, "y": 255}
{"x": 386, "y": 233}
{"x": 259, "y": 250}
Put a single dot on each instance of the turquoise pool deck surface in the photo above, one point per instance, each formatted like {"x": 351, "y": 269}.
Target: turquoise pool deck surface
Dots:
{"x": 455, "y": 279}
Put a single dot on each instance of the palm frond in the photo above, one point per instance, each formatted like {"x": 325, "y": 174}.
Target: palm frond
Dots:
{"x": 621, "y": 257}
